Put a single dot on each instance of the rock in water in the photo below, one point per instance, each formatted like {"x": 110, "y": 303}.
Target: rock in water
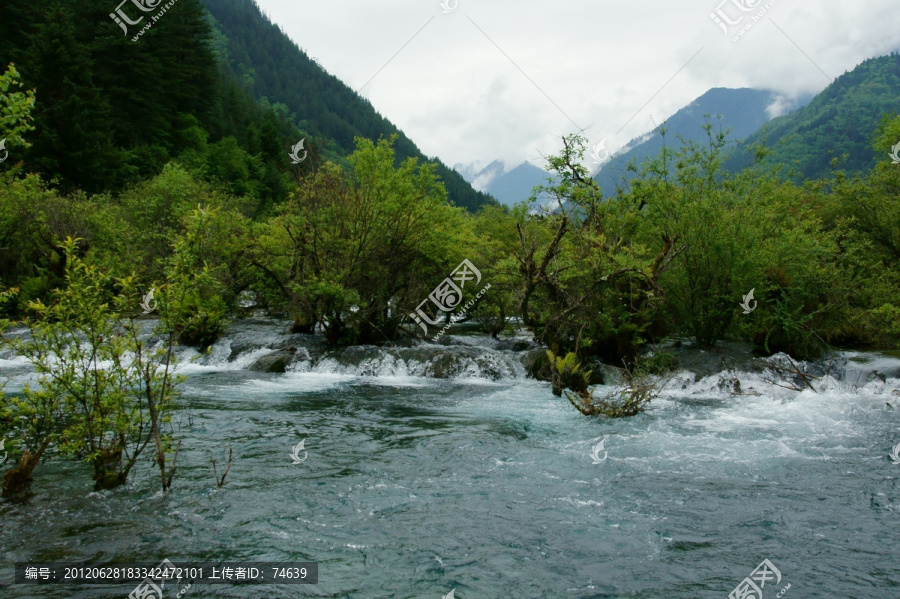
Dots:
{"x": 275, "y": 362}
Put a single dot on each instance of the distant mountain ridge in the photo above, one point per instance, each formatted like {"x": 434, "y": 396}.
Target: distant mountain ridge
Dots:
{"x": 742, "y": 111}
{"x": 508, "y": 187}
{"x": 838, "y": 124}
{"x": 803, "y": 134}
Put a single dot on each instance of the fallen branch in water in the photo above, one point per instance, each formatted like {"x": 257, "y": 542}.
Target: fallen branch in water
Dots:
{"x": 629, "y": 399}
{"x": 794, "y": 370}
{"x": 220, "y": 482}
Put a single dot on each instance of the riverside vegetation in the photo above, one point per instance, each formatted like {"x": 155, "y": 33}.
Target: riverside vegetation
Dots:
{"x": 349, "y": 246}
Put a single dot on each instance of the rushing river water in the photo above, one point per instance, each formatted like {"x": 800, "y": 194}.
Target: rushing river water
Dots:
{"x": 483, "y": 482}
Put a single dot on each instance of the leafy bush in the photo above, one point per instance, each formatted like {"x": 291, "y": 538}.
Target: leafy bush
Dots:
{"x": 566, "y": 373}
{"x": 198, "y": 297}
{"x": 355, "y": 251}
{"x": 103, "y": 393}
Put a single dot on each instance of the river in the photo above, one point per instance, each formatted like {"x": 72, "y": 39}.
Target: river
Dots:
{"x": 431, "y": 469}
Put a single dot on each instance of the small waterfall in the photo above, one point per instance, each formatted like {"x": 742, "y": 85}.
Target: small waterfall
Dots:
{"x": 429, "y": 361}
{"x": 264, "y": 345}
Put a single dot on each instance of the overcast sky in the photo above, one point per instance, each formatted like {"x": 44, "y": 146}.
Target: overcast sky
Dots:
{"x": 504, "y": 79}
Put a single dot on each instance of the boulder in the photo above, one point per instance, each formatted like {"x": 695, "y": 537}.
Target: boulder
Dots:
{"x": 275, "y": 362}
{"x": 536, "y": 364}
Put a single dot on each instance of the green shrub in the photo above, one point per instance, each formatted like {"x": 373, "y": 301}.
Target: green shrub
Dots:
{"x": 566, "y": 373}
{"x": 103, "y": 394}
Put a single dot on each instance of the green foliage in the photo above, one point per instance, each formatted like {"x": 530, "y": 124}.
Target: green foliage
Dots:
{"x": 34, "y": 220}
{"x": 494, "y": 255}
{"x": 103, "y": 393}
{"x": 228, "y": 164}
{"x": 7, "y": 297}
{"x": 737, "y": 234}
{"x": 863, "y": 214}
{"x": 658, "y": 363}
{"x": 200, "y": 286}
{"x": 706, "y": 214}
{"x": 589, "y": 284}
{"x": 154, "y": 212}
{"x": 566, "y": 373}
{"x": 15, "y": 109}
{"x": 354, "y": 251}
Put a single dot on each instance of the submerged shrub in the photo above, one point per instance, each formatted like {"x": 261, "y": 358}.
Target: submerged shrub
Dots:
{"x": 103, "y": 394}
{"x": 630, "y": 398}
{"x": 566, "y": 373}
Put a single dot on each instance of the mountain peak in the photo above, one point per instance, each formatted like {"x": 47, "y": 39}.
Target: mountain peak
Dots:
{"x": 741, "y": 110}
{"x": 507, "y": 186}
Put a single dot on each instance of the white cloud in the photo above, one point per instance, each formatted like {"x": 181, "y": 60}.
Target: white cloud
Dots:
{"x": 458, "y": 97}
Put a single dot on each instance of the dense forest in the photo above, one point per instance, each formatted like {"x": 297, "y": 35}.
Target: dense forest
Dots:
{"x": 263, "y": 57}
{"x": 163, "y": 165}
{"x": 112, "y": 112}
{"x": 834, "y": 130}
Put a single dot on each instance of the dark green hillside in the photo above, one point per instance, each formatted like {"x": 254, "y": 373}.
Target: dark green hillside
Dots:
{"x": 262, "y": 56}
{"x": 111, "y": 110}
{"x": 107, "y": 111}
{"x": 840, "y": 122}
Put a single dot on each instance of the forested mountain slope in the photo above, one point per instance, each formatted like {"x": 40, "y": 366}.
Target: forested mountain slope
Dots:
{"x": 226, "y": 95}
{"x": 839, "y": 123}
{"x": 263, "y": 57}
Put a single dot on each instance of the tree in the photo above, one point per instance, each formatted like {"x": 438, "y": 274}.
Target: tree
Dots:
{"x": 104, "y": 393}
{"x": 590, "y": 284}
{"x": 355, "y": 252}
{"x": 15, "y": 109}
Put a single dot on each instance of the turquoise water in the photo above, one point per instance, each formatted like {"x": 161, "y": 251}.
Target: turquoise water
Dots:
{"x": 483, "y": 482}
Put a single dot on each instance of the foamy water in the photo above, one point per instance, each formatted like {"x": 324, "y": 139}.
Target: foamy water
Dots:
{"x": 483, "y": 482}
